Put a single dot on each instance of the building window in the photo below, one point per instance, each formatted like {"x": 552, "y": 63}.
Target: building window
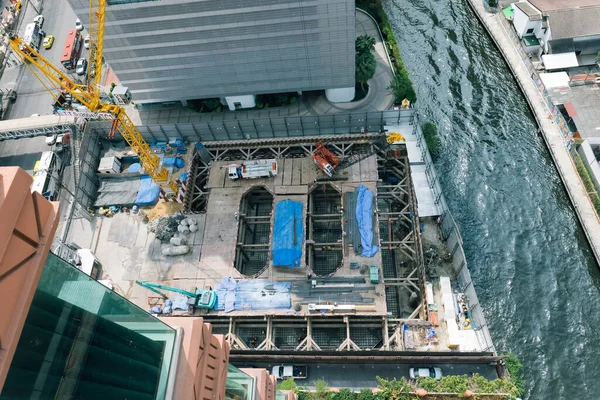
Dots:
{"x": 82, "y": 341}
{"x": 529, "y": 31}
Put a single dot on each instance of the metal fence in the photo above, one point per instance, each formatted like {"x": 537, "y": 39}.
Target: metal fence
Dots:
{"x": 451, "y": 235}
{"x": 264, "y": 128}
{"x": 559, "y": 120}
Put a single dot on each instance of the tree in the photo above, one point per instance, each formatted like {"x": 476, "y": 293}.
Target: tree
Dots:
{"x": 401, "y": 87}
{"x": 365, "y": 61}
{"x": 364, "y": 44}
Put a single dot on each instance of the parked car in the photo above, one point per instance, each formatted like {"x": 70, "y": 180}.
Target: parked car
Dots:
{"x": 289, "y": 371}
{"x": 78, "y": 25}
{"x": 48, "y": 41}
{"x": 86, "y": 42}
{"x": 81, "y": 67}
{"x": 39, "y": 20}
{"x": 430, "y": 372}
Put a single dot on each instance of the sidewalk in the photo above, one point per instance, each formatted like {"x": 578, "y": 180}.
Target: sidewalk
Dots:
{"x": 549, "y": 130}
{"x": 377, "y": 99}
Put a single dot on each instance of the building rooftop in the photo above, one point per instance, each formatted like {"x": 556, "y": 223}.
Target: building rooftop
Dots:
{"x": 529, "y": 10}
{"x": 574, "y": 22}
{"x": 554, "y": 5}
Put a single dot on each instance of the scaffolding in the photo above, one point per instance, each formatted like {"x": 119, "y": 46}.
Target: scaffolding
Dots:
{"x": 324, "y": 247}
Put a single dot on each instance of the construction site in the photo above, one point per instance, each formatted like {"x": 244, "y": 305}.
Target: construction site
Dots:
{"x": 308, "y": 233}
{"x": 299, "y": 256}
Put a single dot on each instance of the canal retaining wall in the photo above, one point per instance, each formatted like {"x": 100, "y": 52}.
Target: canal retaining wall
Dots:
{"x": 550, "y": 131}
{"x": 454, "y": 243}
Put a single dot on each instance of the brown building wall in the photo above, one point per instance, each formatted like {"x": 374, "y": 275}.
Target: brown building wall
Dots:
{"x": 201, "y": 372}
{"x": 27, "y": 226}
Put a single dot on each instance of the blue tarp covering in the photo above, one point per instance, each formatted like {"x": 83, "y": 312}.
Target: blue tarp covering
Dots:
{"x": 252, "y": 295}
{"x": 148, "y": 192}
{"x": 364, "y": 217}
{"x": 287, "y": 234}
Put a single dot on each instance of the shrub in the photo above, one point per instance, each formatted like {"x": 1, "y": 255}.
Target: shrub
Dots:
{"x": 401, "y": 88}
{"x": 345, "y": 394}
{"x": 514, "y": 366}
{"x": 432, "y": 138}
{"x": 365, "y": 394}
{"x": 288, "y": 384}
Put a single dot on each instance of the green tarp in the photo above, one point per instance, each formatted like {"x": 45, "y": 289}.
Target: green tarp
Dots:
{"x": 508, "y": 12}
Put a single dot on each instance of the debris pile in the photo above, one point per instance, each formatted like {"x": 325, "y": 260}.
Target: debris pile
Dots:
{"x": 165, "y": 227}
{"x": 173, "y": 230}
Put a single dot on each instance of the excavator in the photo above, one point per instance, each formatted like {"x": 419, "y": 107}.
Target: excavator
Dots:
{"x": 91, "y": 94}
{"x": 201, "y": 298}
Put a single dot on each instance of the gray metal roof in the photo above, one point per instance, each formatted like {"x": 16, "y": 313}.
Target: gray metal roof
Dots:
{"x": 529, "y": 10}
{"x": 555, "y": 5}
{"x": 575, "y": 22}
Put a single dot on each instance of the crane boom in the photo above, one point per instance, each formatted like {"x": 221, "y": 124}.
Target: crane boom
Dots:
{"x": 96, "y": 32}
{"x": 54, "y": 79}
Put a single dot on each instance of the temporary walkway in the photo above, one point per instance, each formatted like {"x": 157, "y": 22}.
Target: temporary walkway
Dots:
{"x": 416, "y": 147}
{"x": 35, "y": 126}
{"x": 549, "y": 130}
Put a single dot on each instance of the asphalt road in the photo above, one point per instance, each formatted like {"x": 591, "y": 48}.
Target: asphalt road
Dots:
{"x": 358, "y": 376}
{"x": 32, "y": 96}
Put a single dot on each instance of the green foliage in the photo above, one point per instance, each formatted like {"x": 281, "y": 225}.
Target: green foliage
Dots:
{"x": 321, "y": 390}
{"x": 587, "y": 181}
{"x": 430, "y": 384}
{"x": 365, "y": 60}
{"x": 432, "y": 138}
{"x": 205, "y": 105}
{"x": 453, "y": 384}
{"x": 288, "y": 384}
{"x": 514, "y": 366}
{"x": 492, "y": 3}
{"x": 365, "y": 394}
{"x": 304, "y": 395}
{"x": 364, "y": 44}
{"x": 365, "y": 67}
{"x": 476, "y": 383}
{"x": 276, "y": 99}
{"x": 345, "y": 394}
{"x": 401, "y": 88}
{"x": 397, "y": 390}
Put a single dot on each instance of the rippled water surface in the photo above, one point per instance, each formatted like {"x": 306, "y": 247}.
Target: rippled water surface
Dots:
{"x": 534, "y": 272}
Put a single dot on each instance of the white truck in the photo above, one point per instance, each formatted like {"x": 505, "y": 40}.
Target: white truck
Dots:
{"x": 289, "y": 371}
{"x": 32, "y": 36}
{"x": 253, "y": 169}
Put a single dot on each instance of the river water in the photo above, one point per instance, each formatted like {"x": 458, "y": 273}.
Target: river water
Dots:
{"x": 532, "y": 267}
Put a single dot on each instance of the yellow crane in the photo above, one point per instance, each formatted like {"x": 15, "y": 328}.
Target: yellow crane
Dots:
{"x": 89, "y": 95}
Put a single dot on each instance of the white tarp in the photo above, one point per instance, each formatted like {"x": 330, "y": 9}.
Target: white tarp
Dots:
{"x": 554, "y": 80}
{"x": 560, "y": 60}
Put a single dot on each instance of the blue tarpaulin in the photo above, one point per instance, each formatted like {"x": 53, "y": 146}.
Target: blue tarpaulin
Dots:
{"x": 148, "y": 192}
{"x": 364, "y": 217}
{"x": 287, "y": 234}
{"x": 252, "y": 295}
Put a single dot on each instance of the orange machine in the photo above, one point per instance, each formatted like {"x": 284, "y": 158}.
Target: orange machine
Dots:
{"x": 325, "y": 159}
